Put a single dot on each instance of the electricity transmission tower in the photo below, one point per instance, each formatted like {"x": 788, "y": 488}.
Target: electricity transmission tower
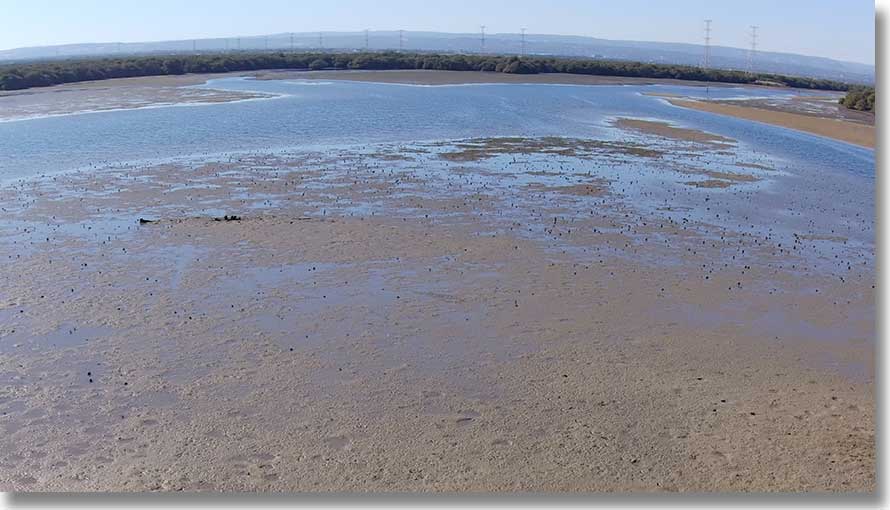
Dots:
{"x": 366, "y": 40}
{"x": 401, "y": 40}
{"x": 753, "y": 52}
{"x": 482, "y": 28}
{"x": 707, "y": 61}
{"x": 292, "y": 42}
{"x": 522, "y": 36}
{"x": 320, "y": 40}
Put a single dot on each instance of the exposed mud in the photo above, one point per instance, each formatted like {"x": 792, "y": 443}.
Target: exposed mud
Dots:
{"x": 523, "y": 315}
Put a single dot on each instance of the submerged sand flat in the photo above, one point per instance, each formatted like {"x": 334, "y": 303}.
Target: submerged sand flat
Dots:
{"x": 116, "y": 94}
{"x": 508, "y": 314}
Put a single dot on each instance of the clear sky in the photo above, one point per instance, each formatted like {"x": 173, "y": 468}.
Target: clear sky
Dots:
{"x": 842, "y": 29}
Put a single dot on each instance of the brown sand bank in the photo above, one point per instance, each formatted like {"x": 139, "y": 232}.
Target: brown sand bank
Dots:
{"x": 848, "y": 131}
{"x": 431, "y": 77}
{"x": 667, "y": 130}
{"x": 120, "y": 93}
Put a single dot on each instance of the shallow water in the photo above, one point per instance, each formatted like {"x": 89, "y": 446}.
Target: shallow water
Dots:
{"x": 311, "y": 114}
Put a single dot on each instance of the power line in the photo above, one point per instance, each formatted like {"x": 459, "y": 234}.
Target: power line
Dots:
{"x": 482, "y": 28}
{"x": 707, "y": 61}
{"x": 753, "y": 52}
{"x": 522, "y": 31}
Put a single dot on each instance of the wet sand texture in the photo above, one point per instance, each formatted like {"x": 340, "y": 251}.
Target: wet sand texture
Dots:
{"x": 531, "y": 315}
{"x": 848, "y": 131}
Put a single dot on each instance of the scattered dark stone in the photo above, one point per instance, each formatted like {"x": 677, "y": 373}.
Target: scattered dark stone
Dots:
{"x": 143, "y": 221}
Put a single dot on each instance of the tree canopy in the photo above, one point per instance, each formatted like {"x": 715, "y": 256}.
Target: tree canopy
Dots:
{"x": 860, "y": 98}
{"x": 42, "y": 74}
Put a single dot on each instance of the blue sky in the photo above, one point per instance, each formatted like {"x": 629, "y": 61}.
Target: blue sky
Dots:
{"x": 841, "y": 29}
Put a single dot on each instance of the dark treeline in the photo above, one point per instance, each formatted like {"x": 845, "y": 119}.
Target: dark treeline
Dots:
{"x": 860, "y": 98}
{"x": 42, "y": 74}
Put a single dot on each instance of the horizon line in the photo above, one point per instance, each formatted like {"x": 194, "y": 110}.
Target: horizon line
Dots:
{"x": 362, "y": 31}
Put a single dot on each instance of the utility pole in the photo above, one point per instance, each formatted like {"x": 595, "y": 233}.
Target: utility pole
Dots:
{"x": 707, "y": 62}
{"x": 522, "y": 36}
{"x": 401, "y": 40}
{"x": 366, "y": 39}
{"x": 482, "y": 28}
{"x": 753, "y": 52}
{"x": 320, "y": 41}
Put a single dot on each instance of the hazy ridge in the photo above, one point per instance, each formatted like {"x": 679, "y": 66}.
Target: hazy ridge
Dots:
{"x": 536, "y": 44}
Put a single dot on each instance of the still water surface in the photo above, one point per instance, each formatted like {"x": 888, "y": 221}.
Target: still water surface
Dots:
{"x": 312, "y": 114}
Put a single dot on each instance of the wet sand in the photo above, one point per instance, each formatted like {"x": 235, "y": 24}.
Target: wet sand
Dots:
{"x": 116, "y": 94}
{"x": 832, "y": 125}
{"x": 433, "y": 77}
{"x": 477, "y": 315}
{"x": 666, "y": 130}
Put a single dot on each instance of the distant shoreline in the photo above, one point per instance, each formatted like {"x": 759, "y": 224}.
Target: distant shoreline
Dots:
{"x": 437, "y": 77}
{"x": 47, "y": 74}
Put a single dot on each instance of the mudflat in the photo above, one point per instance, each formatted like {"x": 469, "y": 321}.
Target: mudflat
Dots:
{"x": 498, "y": 314}
{"x": 116, "y": 94}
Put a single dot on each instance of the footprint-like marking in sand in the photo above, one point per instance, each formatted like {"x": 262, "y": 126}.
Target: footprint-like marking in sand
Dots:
{"x": 337, "y": 442}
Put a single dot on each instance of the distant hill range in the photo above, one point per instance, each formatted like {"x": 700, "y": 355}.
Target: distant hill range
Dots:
{"x": 535, "y": 44}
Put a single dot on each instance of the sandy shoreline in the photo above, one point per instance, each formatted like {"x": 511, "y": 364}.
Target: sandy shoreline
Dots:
{"x": 846, "y": 131}
{"x": 429, "y": 77}
{"x": 116, "y": 94}
{"x": 454, "y": 316}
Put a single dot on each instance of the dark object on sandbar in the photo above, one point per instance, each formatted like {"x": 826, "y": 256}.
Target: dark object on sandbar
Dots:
{"x": 143, "y": 221}
{"x": 228, "y": 218}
